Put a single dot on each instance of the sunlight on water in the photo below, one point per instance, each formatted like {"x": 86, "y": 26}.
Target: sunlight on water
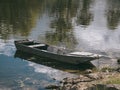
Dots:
{"x": 50, "y": 72}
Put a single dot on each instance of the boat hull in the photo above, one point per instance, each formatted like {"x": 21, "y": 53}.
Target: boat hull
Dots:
{"x": 62, "y": 58}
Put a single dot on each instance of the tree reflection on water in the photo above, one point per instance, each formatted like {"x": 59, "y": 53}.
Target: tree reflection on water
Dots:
{"x": 63, "y": 12}
{"x": 113, "y": 13}
{"x": 18, "y": 17}
{"x": 84, "y": 16}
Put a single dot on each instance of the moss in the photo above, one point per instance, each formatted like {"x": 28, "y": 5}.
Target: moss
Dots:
{"x": 113, "y": 80}
{"x": 107, "y": 69}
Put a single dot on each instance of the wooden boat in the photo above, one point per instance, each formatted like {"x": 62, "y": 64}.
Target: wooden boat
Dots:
{"x": 54, "y": 52}
{"x": 51, "y": 62}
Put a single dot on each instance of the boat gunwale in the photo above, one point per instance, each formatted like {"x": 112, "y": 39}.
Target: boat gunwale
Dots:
{"x": 46, "y": 51}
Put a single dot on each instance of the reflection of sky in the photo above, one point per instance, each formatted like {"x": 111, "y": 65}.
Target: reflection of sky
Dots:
{"x": 99, "y": 39}
{"x": 17, "y": 74}
{"x": 41, "y": 28}
{"x": 50, "y": 72}
{"x": 7, "y": 47}
{"x": 97, "y": 36}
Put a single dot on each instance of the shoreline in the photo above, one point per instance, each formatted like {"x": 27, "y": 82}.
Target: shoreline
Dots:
{"x": 101, "y": 80}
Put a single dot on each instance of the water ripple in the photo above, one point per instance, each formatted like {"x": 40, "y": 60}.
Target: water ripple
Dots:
{"x": 7, "y": 47}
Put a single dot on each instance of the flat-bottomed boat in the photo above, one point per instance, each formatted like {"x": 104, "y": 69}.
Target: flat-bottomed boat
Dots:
{"x": 53, "y": 52}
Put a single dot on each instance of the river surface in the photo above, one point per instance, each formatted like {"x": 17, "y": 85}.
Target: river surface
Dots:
{"x": 85, "y": 25}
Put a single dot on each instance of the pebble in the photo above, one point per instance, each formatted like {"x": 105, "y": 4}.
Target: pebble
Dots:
{"x": 88, "y": 71}
{"x": 118, "y": 61}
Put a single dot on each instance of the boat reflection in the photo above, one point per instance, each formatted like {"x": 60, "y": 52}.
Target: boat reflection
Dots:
{"x": 53, "y": 63}
{"x": 105, "y": 62}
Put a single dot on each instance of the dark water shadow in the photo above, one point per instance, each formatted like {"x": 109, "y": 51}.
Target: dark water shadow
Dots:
{"x": 104, "y": 87}
{"x": 98, "y": 87}
{"x": 53, "y": 63}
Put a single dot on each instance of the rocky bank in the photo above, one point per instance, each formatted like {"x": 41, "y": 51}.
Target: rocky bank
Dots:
{"x": 91, "y": 81}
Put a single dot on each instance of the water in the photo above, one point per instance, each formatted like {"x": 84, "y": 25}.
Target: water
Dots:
{"x": 85, "y": 25}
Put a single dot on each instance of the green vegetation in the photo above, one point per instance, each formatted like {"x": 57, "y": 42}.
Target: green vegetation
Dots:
{"x": 114, "y": 79}
{"x": 109, "y": 69}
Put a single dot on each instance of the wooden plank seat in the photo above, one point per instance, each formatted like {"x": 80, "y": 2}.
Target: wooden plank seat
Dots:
{"x": 36, "y": 45}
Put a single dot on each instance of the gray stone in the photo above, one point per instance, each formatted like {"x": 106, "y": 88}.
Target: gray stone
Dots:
{"x": 88, "y": 71}
{"x": 113, "y": 87}
{"x": 95, "y": 76}
{"x": 118, "y": 69}
{"x": 66, "y": 87}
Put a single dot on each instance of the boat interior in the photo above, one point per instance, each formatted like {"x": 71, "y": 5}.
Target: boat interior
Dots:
{"x": 55, "y": 49}
{"x": 41, "y": 46}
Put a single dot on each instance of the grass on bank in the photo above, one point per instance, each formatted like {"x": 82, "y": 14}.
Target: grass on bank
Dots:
{"x": 113, "y": 80}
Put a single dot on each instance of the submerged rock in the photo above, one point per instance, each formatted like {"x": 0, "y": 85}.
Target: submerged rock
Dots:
{"x": 52, "y": 87}
{"x": 105, "y": 87}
